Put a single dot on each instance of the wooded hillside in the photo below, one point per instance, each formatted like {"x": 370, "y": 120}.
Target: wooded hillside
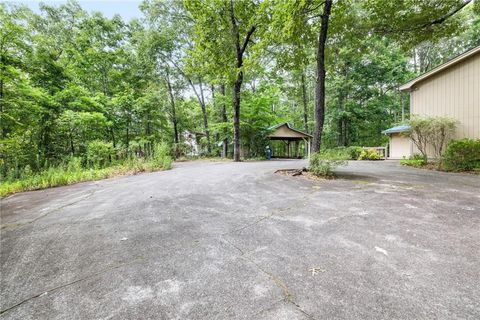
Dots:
{"x": 77, "y": 84}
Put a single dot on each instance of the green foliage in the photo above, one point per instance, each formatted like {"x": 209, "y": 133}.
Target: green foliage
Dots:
{"x": 418, "y": 156}
{"x": 369, "y": 154}
{"x": 432, "y": 132}
{"x": 79, "y": 84}
{"x": 354, "y": 152}
{"x": 462, "y": 155}
{"x": 410, "y": 21}
{"x": 348, "y": 153}
{"x": 412, "y": 163}
{"x": 100, "y": 153}
{"x": 161, "y": 156}
{"x": 72, "y": 171}
{"x": 324, "y": 163}
{"x": 417, "y": 161}
{"x": 69, "y": 172}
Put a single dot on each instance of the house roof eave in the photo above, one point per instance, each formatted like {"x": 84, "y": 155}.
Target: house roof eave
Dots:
{"x": 409, "y": 86}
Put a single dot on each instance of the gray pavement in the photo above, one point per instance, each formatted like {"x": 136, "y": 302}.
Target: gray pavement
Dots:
{"x": 229, "y": 240}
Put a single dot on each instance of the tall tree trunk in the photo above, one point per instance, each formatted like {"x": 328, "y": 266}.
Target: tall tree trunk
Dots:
{"x": 214, "y": 105}
{"x": 415, "y": 60}
{"x": 240, "y": 50}
{"x": 225, "y": 120}
{"x": 342, "y": 97}
{"x": 127, "y": 143}
{"x": 72, "y": 148}
{"x": 112, "y": 135}
{"x": 236, "y": 116}
{"x": 205, "y": 119}
{"x": 2, "y": 127}
{"x": 305, "y": 103}
{"x": 173, "y": 110}
{"x": 320, "y": 82}
{"x": 341, "y": 141}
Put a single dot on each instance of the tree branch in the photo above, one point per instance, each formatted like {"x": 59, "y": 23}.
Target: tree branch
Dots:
{"x": 453, "y": 12}
{"x": 247, "y": 39}
{"x": 439, "y": 20}
{"x": 307, "y": 11}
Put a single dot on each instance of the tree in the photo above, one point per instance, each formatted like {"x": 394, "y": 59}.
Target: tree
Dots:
{"x": 224, "y": 68}
{"x": 240, "y": 47}
{"x": 298, "y": 21}
{"x": 237, "y": 22}
{"x": 320, "y": 83}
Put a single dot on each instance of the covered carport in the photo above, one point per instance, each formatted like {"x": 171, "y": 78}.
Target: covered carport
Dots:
{"x": 290, "y": 139}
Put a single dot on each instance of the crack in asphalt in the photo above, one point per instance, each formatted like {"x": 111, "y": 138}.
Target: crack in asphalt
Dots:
{"x": 279, "y": 283}
{"x": 14, "y": 226}
{"x": 288, "y": 296}
{"x": 71, "y": 283}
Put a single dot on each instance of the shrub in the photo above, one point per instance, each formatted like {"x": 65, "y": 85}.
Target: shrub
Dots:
{"x": 72, "y": 171}
{"x": 349, "y": 153}
{"x": 27, "y": 171}
{"x": 418, "y": 156}
{"x": 323, "y": 164}
{"x": 338, "y": 152}
{"x": 354, "y": 152}
{"x": 433, "y": 131}
{"x": 100, "y": 153}
{"x": 369, "y": 154}
{"x": 417, "y": 163}
{"x": 462, "y": 155}
{"x": 161, "y": 156}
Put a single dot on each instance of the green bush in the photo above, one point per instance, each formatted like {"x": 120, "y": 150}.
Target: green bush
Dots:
{"x": 161, "y": 157}
{"x": 72, "y": 171}
{"x": 338, "y": 152}
{"x": 417, "y": 163}
{"x": 369, "y": 154}
{"x": 349, "y": 153}
{"x": 431, "y": 131}
{"x": 354, "y": 152}
{"x": 100, "y": 153}
{"x": 462, "y": 155}
{"x": 27, "y": 171}
{"x": 323, "y": 164}
{"x": 418, "y": 156}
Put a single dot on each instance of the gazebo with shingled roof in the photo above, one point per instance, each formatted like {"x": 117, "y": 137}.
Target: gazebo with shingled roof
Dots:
{"x": 290, "y": 137}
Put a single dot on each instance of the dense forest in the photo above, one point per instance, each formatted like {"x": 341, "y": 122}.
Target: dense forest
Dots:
{"x": 79, "y": 85}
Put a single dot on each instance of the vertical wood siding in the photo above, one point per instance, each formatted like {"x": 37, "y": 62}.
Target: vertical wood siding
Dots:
{"x": 454, "y": 93}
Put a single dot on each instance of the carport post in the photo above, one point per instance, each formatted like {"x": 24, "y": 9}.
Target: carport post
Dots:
{"x": 308, "y": 148}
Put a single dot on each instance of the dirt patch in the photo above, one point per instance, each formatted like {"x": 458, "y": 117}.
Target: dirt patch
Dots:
{"x": 303, "y": 174}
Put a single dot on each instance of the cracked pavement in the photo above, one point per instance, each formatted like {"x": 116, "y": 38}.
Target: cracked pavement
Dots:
{"x": 222, "y": 240}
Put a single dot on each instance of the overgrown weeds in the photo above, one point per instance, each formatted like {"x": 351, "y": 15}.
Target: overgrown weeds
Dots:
{"x": 72, "y": 171}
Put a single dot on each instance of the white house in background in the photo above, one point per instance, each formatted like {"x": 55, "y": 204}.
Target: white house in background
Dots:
{"x": 192, "y": 139}
{"x": 449, "y": 90}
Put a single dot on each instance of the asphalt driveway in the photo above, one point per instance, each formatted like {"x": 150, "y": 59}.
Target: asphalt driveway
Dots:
{"x": 228, "y": 240}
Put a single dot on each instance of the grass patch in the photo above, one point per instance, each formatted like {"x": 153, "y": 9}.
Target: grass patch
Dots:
{"x": 417, "y": 163}
{"x": 73, "y": 172}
